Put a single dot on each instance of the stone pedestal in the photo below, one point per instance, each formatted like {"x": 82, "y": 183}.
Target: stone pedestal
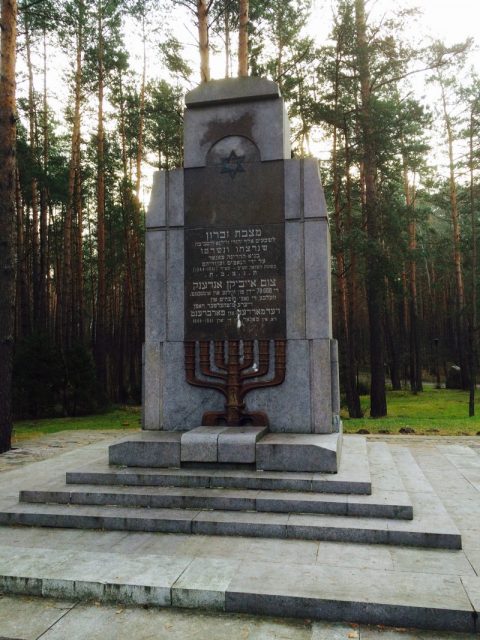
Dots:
{"x": 241, "y": 447}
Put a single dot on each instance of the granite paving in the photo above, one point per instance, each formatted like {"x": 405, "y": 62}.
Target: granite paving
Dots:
{"x": 206, "y": 581}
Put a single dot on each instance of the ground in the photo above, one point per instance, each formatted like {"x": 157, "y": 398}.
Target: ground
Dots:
{"x": 441, "y": 459}
{"x": 42, "y": 618}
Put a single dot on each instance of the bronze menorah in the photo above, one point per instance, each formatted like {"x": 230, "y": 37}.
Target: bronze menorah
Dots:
{"x": 229, "y": 367}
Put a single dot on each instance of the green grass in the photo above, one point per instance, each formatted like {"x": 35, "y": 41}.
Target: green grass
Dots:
{"x": 432, "y": 412}
{"x": 119, "y": 418}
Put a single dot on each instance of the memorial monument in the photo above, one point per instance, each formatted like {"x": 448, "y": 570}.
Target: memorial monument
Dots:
{"x": 239, "y": 363}
{"x": 241, "y": 432}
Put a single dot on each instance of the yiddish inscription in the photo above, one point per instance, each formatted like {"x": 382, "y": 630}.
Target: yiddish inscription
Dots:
{"x": 235, "y": 284}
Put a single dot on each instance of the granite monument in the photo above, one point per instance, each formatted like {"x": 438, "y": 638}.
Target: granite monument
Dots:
{"x": 240, "y": 366}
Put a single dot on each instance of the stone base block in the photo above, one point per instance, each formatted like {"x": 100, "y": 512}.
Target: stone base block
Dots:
{"x": 237, "y": 444}
{"x": 231, "y": 445}
{"x": 201, "y": 444}
{"x": 147, "y": 449}
{"x": 299, "y": 452}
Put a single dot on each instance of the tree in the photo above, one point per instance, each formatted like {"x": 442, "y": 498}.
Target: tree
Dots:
{"x": 449, "y": 121}
{"x": 280, "y": 50}
{"x": 201, "y": 11}
{"x": 473, "y": 133}
{"x": 75, "y": 17}
{"x": 374, "y": 278}
{"x": 336, "y": 109}
{"x": 7, "y": 215}
{"x": 243, "y": 39}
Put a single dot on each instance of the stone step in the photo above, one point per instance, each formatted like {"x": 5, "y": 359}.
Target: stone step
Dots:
{"x": 353, "y": 476}
{"x": 315, "y": 591}
{"x": 433, "y": 528}
{"x": 381, "y": 504}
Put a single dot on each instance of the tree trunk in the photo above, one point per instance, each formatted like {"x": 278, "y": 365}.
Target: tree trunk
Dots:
{"x": 374, "y": 275}
{"x": 243, "y": 39}
{"x": 346, "y": 346}
{"x": 415, "y": 360}
{"x": 44, "y": 276}
{"x": 203, "y": 44}
{"x": 100, "y": 338}
{"x": 70, "y": 313}
{"x": 141, "y": 116}
{"x": 457, "y": 255}
{"x": 7, "y": 215}
{"x": 32, "y": 138}
{"x": 357, "y": 411}
{"x": 226, "y": 23}
{"x": 392, "y": 347}
{"x": 77, "y": 194}
{"x": 23, "y": 324}
{"x": 472, "y": 333}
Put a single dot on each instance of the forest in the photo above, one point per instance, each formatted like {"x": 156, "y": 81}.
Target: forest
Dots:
{"x": 393, "y": 117}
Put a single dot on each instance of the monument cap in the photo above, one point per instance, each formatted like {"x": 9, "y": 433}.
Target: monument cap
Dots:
{"x": 232, "y": 90}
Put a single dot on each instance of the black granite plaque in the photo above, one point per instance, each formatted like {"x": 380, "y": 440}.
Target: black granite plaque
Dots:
{"x": 235, "y": 251}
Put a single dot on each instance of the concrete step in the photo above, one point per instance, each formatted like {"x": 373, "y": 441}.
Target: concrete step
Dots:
{"x": 338, "y": 593}
{"x": 381, "y": 504}
{"x": 353, "y": 476}
{"x": 432, "y": 529}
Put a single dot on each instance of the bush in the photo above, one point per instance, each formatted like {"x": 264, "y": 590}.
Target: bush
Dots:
{"x": 48, "y": 383}
{"x": 81, "y": 394}
{"x": 38, "y": 377}
{"x": 363, "y": 388}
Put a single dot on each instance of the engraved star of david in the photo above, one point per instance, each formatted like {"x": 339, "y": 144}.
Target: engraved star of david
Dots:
{"x": 233, "y": 164}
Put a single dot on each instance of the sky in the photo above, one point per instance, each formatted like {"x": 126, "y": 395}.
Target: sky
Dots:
{"x": 448, "y": 20}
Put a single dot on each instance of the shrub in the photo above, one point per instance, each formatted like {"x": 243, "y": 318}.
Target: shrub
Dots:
{"x": 48, "y": 383}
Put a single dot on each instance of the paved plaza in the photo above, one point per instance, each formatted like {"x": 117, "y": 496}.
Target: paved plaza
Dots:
{"x": 186, "y": 572}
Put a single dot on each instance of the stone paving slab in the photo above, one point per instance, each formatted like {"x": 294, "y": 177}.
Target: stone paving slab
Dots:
{"x": 203, "y": 584}
{"x": 433, "y": 530}
{"x": 383, "y": 504}
{"x": 343, "y": 594}
{"x": 29, "y": 618}
{"x": 353, "y": 475}
{"x": 299, "y": 452}
{"x": 471, "y": 585}
{"x": 294, "y": 590}
{"x": 147, "y": 449}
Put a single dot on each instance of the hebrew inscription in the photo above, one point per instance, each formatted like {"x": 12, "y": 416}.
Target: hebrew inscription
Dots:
{"x": 234, "y": 267}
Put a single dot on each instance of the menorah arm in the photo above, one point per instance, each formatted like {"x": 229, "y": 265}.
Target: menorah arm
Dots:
{"x": 191, "y": 375}
{"x": 248, "y": 358}
{"x": 220, "y": 355}
{"x": 205, "y": 367}
{"x": 280, "y": 369}
{"x": 264, "y": 361}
